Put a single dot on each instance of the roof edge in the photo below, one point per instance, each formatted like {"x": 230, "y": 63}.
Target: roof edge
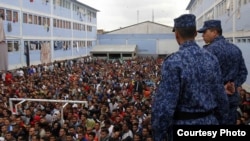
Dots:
{"x": 137, "y": 24}
{"x": 190, "y": 4}
{"x": 78, "y": 2}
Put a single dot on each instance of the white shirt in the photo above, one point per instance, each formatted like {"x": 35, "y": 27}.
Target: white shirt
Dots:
{"x": 20, "y": 72}
{"x": 125, "y": 135}
{"x": 110, "y": 130}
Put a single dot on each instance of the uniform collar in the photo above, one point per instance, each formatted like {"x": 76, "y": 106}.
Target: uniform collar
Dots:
{"x": 187, "y": 44}
{"x": 218, "y": 38}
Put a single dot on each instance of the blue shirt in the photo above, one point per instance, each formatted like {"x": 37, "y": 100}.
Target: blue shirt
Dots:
{"x": 231, "y": 60}
{"x": 191, "y": 82}
{"x": 233, "y": 68}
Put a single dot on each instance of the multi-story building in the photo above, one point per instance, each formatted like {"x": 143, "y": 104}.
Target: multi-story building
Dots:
{"x": 232, "y": 13}
{"x": 42, "y": 31}
{"x": 235, "y": 21}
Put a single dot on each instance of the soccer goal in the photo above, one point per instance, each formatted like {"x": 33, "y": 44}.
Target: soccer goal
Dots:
{"x": 14, "y": 108}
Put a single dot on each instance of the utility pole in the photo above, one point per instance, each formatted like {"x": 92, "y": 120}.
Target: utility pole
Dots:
{"x": 137, "y": 16}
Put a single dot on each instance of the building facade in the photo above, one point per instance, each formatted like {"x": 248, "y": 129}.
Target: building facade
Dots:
{"x": 150, "y": 38}
{"x": 235, "y": 21}
{"x": 42, "y": 31}
{"x": 114, "y": 52}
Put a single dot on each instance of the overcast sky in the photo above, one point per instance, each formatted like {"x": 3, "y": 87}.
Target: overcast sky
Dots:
{"x": 114, "y": 14}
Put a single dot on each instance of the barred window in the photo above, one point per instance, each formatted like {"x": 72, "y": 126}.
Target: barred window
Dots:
{"x": 15, "y": 16}
{"x": 25, "y": 18}
{"x": 9, "y": 15}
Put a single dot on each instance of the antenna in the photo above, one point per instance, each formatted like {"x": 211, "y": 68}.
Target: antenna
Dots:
{"x": 153, "y": 15}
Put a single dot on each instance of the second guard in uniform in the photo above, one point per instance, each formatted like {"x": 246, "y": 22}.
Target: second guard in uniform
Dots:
{"x": 231, "y": 61}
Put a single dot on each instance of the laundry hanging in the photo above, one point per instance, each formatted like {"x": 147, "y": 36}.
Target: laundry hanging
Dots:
{"x": 9, "y": 27}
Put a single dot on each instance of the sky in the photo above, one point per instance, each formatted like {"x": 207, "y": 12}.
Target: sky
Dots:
{"x": 115, "y": 14}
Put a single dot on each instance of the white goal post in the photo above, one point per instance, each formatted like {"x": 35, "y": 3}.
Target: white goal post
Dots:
{"x": 21, "y": 100}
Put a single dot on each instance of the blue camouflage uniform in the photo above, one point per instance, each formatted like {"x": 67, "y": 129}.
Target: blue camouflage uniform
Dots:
{"x": 191, "y": 84}
{"x": 232, "y": 65}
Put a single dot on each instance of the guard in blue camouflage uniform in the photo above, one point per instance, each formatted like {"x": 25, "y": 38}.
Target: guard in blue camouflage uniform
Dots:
{"x": 191, "y": 90}
{"x": 232, "y": 64}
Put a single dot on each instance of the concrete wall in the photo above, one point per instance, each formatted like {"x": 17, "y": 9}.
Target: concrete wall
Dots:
{"x": 152, "y": 44}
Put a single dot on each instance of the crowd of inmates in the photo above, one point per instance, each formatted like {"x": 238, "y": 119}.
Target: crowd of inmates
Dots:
{"x": 118, "y": 93}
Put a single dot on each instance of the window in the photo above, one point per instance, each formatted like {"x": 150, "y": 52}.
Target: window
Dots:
{"x": 15, "y": 16}
{"x": 75, "y": 44}
{"x": 66, "y": 25}
{"x": 89, "y": 28}
{"x": 39, "y": 20}
{"x": 48, "y": 21}
{"x": 70, "y": 25}
{"x": 2, "y": 13}
{"x": 248, "y": 40}
{"x": 44, "y": 21}
{"x": 69, "y": 44}
{"x": 89, "y": 16}
{"x": 238, "y": 40}
{"x": 245, "y": 2}
{"x": 230, "y": 40}
{"x": 126, "y": 55}
{"x": 25, "y": 18}
{"x": 67, "y": 4}
{"x": 114, "y": 56}
{"x": 16, "y": 45}
{"x": 99, "y": 55}
{"x": 57, "y": 23}
{"x": 74, "y": 7}
{"x": 26, "y": 46}
{"x": 94, "y": 15}
{"x": 63, "y": 24}
{"x": 10, "y": 46}
{"x": 35, "y": 19}
{"x": 89, "y": 43}
{"x": 54, "y": 22}
{"x": 61, "y": 3}
{"x": 30, "y": 19}
{"x": 60, "y": 24}
{"x": 239, "y": 3}
{"x": 244, "y": 40}
{"x": 64, "y": 45}
{"x": 224, "y": 6}
{"x": 81, "y": 43}
{"x": 83, "y": 27}
{"x": 32, "y": 45}
{"x": 9, "y": 15}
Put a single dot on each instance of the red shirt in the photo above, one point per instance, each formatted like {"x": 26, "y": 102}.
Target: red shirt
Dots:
{"x": 8, "y": 78}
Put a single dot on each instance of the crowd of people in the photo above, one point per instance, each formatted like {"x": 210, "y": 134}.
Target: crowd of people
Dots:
{"x": 91, "y": 99}
{"x": 119, "y": 95}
